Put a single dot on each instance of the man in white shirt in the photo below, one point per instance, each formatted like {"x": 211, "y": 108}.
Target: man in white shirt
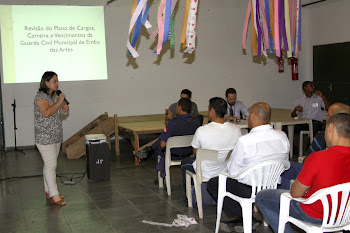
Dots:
{"x": 217, "y": 135}
{"x": 310, "y": 106}
{"x": 261, "y": 144}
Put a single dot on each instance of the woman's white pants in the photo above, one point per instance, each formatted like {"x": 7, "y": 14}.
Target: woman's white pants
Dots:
{"x": 49, "y": 153}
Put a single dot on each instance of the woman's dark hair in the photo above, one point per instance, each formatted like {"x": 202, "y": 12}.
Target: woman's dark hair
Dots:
{"x": 219, "y": 105}
{"x": 47, "y": 76}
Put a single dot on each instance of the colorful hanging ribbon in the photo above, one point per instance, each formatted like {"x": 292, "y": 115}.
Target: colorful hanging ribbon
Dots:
{"x": 191, "y": 27}
{"x": 275, "y": 27}
{"x": 139, "y": 17}
{"x": 156, "y": 31}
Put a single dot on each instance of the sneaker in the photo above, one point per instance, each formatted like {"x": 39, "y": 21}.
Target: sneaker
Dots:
{"x": 224, "y": 228}
{"x": 143, "y": 154}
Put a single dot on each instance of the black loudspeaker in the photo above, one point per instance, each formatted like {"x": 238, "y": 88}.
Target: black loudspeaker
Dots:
{"x": 98, "y": 166}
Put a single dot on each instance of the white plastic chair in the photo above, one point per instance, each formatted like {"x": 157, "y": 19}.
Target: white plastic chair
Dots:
{"x": 198, "y": 179}
{"x": 173, "y": 142}
{"x": 264, "y": 175}
{"x": 301, "y": 142}
{"x": 330, "y": 222}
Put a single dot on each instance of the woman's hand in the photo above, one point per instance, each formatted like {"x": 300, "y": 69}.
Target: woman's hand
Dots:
{"x": 65, "y": 108}
{"x": 61, "y": 97}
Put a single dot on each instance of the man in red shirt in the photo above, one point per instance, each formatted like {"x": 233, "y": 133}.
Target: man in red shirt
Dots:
{"x": 321, "y": 170}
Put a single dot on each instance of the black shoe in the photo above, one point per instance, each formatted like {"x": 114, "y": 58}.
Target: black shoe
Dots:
{"x": 234, "y": 221}
{"x": 156, "y": 181}
{"x": 255, "y": 225}
{"x": 144, "y": 153}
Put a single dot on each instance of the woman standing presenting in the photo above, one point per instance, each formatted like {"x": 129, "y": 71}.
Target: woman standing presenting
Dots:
{"x": 48, "y": 131}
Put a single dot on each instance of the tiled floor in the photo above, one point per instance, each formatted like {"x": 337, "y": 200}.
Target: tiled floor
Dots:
{"x": 118, "y": 205}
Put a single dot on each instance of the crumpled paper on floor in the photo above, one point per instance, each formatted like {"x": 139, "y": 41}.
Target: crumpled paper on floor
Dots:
{"x": 182, "y": 220}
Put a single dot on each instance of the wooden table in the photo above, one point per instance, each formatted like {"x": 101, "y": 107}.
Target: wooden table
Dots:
{"x": 133, "y": 126}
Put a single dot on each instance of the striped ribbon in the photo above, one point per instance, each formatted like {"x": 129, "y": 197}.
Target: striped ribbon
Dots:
{"x": 139, "y": 16}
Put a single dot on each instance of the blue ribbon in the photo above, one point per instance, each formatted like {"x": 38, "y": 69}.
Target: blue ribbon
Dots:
{"x": 267, "y": 12}
{"x": 137, "y": 29}
{"x": 167, "y": 20}
{"x": 145, "y": 15}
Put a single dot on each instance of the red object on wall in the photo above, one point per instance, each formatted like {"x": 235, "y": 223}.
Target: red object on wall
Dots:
{"x": 294, "y": 63}
{"x": 280, "y": 65}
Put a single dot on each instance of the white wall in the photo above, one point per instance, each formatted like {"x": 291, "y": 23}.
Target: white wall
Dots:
{"x": 218, "y": 63}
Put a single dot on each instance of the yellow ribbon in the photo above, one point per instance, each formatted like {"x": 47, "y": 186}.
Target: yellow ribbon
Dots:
{"x": 134, "y": 5}
{"x": 184, "y": 24}
{"x": 287, "y": 21}
{"x": 254, "y": 36}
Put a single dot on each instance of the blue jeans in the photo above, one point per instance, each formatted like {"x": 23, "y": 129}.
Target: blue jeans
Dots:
{"x": 290, "y": 174}
{"x": 269, "y": 204}
{"x": 186, "y": 165}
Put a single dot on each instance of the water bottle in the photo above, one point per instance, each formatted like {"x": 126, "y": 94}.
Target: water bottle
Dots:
{"x": 247, "y": 113}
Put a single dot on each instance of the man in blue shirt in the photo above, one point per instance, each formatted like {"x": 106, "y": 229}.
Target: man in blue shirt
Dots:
{"x": 171, "y": 111}
{"x": 183, "y": 124}
{"x": 234, "y": 107}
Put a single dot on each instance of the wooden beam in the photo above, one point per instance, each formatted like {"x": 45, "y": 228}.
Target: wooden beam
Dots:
{"x": 116, "y": 133}
{"x": 84, "y": 131}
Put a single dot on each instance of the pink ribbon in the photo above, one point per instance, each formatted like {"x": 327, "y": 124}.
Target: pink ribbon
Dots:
{"x": 277, "y": 32}
{"x": 160, "y": 26}
{"x": 245, "y": 27}
{"x": 297, "y": 29}
{"x": 156, "y": 31}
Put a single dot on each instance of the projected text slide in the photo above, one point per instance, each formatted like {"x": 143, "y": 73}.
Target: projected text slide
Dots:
{"x": 69, "y": 40}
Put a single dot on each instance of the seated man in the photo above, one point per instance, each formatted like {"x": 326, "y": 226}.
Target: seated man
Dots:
{"x": 171, "y": 111}
{"x": 310, "y": 106}
{"x": 217, "y": 135}
{"x": 183, "y": 124}
{"x": 322, "y": 169}
{"x": 260, "y": 144}
{"x": 318, "y": 144}
{"x": 234, "y": 107}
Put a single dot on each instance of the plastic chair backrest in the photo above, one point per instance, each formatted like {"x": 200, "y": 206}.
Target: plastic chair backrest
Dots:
{"x": 176, "y": 142}
{"x": 200, "y": 118}
{"x": 330, "y": 219}
{"x": 265, "y": 175}
{"x": 204, "y": 155}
